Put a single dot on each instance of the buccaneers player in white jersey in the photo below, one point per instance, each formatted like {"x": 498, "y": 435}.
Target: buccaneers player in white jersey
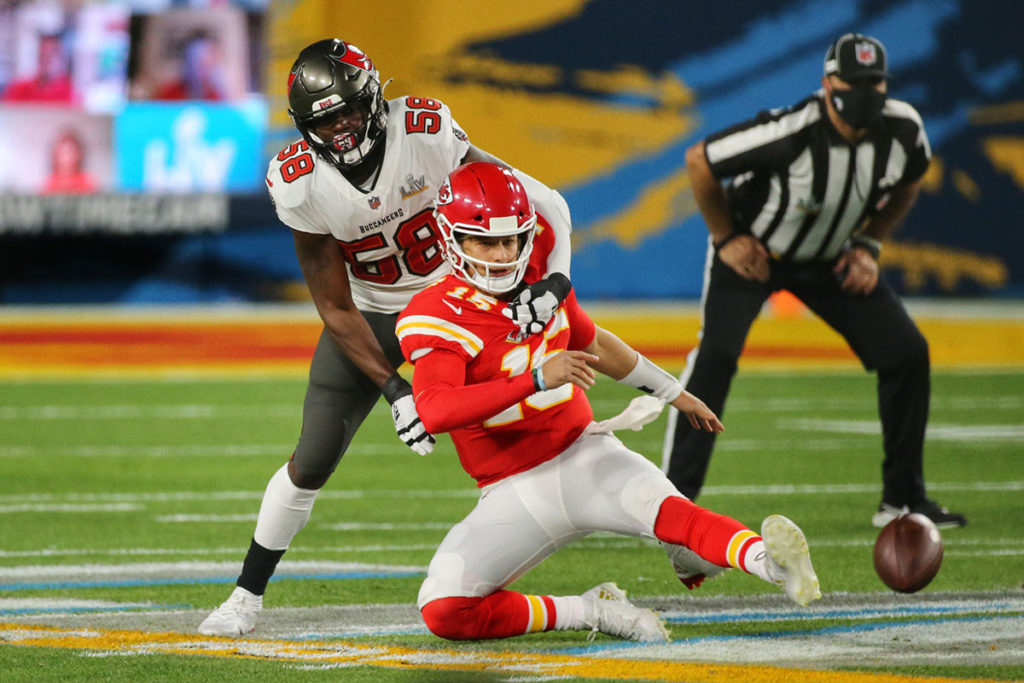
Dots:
{"x": 357, "y": 192}
{"x": 516, "y": 410}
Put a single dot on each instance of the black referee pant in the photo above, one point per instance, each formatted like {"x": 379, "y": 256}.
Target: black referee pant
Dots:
{"x": 878, "y": 330}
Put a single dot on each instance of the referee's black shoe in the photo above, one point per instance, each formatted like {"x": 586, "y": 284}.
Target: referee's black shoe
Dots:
{"x": 941, "y": 516}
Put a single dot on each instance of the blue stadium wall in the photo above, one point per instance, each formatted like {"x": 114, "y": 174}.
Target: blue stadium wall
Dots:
{"x": 599, "y": 99}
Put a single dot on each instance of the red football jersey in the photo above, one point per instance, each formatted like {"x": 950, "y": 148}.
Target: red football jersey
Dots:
{"x": 499, "y": 425}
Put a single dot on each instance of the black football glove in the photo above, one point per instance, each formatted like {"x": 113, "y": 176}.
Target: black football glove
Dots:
{"x": 533, "y": 307}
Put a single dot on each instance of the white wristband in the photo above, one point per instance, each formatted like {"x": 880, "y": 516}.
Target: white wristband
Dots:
{"x": 650, "y": 379}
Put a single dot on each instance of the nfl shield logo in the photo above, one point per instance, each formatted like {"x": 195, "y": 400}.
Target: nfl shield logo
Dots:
{"x": 374, "y": 202}
{"x": 866, "y": 54}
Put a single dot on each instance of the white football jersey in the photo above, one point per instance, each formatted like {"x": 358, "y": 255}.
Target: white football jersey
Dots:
{"x": 388, "y": 234}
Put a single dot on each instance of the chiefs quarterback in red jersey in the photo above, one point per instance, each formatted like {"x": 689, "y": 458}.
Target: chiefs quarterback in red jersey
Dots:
{"x": 515, "y": 405}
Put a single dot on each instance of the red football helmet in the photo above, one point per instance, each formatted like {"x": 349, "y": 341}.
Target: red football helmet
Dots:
{"x": 485, "y": 199}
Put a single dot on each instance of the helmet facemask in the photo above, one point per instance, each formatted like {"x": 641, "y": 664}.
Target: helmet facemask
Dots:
{"x": 479, "y": 272}
{"x": 351, "y": 148}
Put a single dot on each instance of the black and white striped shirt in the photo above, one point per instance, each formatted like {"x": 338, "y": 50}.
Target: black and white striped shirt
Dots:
{"x": 800, "y": 188}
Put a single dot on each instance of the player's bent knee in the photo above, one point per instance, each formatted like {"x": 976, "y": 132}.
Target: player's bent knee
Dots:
{"x": 302, "y": 480}
{"x": 920, "y": 353}
{"x": 911, "y": 357}
{"x": 444, "y": 578}
{"x": 452, "y": 618}
{"x": 643, "y": 495}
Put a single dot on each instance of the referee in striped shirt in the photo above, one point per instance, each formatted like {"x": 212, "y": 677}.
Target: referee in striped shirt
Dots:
{"x": 801, "y": 199}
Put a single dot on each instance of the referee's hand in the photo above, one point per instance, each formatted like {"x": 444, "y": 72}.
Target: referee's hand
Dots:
{"x": 747, "y": 256}
{"x": 858, "y": 270}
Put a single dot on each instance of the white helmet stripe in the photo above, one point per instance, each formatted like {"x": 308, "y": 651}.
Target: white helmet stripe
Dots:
{"x": 504, "y": 224}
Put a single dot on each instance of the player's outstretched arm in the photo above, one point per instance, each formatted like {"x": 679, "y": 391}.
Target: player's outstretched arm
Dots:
{"x": 624, "y": 364}
{"x": 323, "y": 267}
{"x": 697, "y": 412}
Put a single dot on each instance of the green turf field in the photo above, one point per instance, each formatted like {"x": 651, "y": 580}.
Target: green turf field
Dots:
{"x": 128, "y": 504}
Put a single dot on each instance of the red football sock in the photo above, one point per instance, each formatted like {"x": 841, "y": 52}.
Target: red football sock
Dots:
{"x": 499, "y": 615}
{"x": 718, "y": 539}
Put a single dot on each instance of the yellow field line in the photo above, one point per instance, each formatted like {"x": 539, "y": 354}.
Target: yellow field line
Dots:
{"x": 388, "y": 656}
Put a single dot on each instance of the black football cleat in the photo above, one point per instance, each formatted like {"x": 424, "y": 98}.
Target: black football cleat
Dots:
{"x": 940, "y": 516}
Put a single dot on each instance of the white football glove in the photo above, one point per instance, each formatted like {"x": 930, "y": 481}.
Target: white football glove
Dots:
{"x": 536, "y": 304}
{"x": 409, "y": 427}
{"x": 407, "y": 421}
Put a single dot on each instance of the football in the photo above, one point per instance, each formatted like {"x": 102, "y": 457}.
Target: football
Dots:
{"x": 908, "y": 553}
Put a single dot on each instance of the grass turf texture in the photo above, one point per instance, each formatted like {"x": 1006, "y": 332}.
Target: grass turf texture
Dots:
{"x": 130, "y": 471}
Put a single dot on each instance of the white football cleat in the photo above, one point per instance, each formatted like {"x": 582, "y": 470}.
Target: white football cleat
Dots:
{"x": 691, "y": 568}
{"x": 789, "y": 559}
{"x": 236, "y": 616}
{"x": 607, "y": 610}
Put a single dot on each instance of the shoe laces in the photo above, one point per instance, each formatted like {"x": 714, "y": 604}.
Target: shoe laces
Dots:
{"x": 238, "y": 605}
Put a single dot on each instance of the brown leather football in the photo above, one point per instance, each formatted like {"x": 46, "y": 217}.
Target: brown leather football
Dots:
{"x": 908, "y": 553}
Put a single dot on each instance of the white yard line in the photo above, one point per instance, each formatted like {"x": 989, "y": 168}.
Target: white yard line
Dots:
{"x": 238, "y": 552}
{"x": 937, "y": 432}
{"x": 281, "y": 450}
{"x": 204, "y": 519}
{"x": 739, "y": 489}
{"x": 182, "y": 496}
{"x": 202, "y": 411}
{"x": 955, "y": 545}
{"x": 849, "y": 433}
{"x": 160, "y": 412}
{"x": 69, "y": 507}
{"x": 180, "y": 570}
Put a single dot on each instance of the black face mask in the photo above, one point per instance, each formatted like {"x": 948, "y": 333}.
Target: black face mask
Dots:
{"x": 859, "y": 107}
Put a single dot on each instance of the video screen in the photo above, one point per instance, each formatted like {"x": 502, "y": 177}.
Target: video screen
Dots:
{"x": 130, "y": 96}
{"x": 55, "y": 150}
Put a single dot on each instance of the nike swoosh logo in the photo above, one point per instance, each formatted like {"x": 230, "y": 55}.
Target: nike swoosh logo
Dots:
{"x": 449, "y": 304}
